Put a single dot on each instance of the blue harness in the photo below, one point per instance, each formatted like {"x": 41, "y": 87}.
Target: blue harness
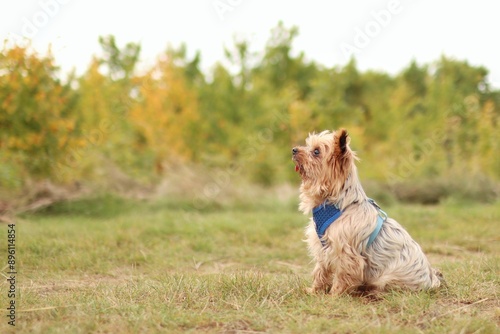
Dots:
{"x": 325, "y": 214}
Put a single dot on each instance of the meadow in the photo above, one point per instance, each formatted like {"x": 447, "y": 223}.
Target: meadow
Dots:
{"x": 113, "y": 265}
{"x": 171, "y": 129}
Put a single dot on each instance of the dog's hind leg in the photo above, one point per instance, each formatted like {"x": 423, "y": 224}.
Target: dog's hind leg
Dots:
{"x": 349, "y": 274}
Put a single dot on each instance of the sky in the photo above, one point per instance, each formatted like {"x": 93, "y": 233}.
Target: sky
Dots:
{"x": 383, "y": 35}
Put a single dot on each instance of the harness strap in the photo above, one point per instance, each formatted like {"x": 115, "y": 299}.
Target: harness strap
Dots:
{"x": 326, "y": 214}
{"x": 381, "y": 218}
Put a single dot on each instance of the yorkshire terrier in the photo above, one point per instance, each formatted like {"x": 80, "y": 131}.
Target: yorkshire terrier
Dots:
{"x": 356, "y": 247}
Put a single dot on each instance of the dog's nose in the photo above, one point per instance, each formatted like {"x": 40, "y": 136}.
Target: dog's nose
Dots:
{"x": 295, "y": 150}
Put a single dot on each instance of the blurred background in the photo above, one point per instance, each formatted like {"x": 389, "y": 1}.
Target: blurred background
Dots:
{"x": 203, "y": 100}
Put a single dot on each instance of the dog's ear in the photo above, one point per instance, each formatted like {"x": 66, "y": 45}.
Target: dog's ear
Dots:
{"x": 340, "y": 142}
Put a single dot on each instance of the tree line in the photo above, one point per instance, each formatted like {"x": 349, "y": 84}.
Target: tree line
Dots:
{"x": 428, "y": 121}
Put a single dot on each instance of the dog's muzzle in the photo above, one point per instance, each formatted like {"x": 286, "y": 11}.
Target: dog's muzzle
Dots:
{"x": 295, "y": 159}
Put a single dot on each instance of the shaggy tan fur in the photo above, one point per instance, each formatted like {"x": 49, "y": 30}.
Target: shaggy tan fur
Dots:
{"x": 345, "y": 264}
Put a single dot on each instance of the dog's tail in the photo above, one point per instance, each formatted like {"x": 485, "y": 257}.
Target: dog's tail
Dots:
{"x": 433, "y": 281}
{"x": 437, "y": 279}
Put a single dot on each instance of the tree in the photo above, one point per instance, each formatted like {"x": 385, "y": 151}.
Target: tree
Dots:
{"x": 39, "y": 126}
{"x": 164, "y": 119}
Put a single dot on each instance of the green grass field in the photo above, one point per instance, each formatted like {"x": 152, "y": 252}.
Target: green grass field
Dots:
{"x": 114, "y": 266}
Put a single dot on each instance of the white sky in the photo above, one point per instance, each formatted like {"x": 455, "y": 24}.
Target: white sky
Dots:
{"x": 417, "y": 29}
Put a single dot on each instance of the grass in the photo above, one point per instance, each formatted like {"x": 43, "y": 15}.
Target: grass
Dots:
{"x": 108, "y": 265}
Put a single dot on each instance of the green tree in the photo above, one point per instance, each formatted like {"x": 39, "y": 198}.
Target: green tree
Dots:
{"x": 108, "y": 92}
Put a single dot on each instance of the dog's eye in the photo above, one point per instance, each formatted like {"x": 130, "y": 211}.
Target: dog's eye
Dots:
{"x": 316, "y": 152}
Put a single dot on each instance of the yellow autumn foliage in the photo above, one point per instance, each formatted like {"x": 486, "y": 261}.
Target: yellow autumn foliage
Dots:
{"x": 165, "y": 112}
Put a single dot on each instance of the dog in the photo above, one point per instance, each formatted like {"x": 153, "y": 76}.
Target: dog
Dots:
{"x": 356, "y": 247}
